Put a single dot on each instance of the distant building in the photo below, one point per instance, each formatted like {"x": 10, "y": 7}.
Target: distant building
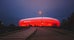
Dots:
{"x": 39, "y": 21}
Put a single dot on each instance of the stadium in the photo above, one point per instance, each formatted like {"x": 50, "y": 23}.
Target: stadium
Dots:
{"x": 39, "y": 22}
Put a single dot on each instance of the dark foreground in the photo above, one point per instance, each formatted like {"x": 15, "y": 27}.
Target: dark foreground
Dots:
{"x": 40, "y": 33}
{"x": 51, "y": 34}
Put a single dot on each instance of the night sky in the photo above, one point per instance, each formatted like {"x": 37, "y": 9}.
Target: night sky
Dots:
{"x": 11, "y": 11}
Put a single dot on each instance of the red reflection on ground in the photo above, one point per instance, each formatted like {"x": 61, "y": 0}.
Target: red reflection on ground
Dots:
{"x": 39, "y": 21}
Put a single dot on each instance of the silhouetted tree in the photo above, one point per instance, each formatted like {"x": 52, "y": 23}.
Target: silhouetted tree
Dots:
{"x": 69, "y": 23}
{"x": 12, "y": 25}
{"x": 1, "y": 24}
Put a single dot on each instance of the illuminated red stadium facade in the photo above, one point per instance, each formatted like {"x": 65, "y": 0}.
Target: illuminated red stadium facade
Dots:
{"x": 39, "y": 21}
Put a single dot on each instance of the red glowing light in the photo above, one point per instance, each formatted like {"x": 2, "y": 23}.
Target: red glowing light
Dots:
{"x": 39, "y": 21}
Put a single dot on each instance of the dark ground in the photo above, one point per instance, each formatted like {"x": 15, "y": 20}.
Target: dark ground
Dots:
{"x": 51, "y": 34}
{"x": 41, "y": 33}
